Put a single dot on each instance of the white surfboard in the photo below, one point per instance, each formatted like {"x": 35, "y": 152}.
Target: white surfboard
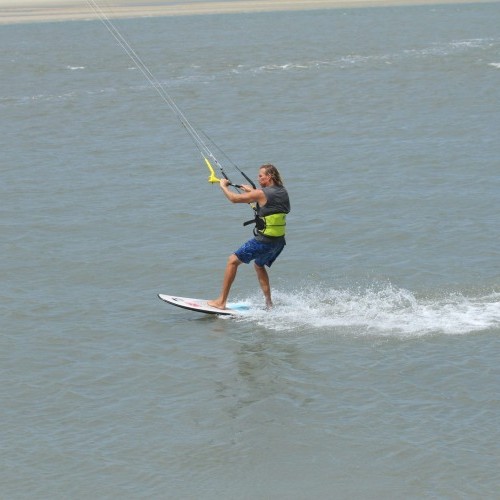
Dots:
{"x": 201, "y": 305}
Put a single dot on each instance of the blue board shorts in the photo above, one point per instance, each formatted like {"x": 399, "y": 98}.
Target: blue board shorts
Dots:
{"x": 263, "y": 253}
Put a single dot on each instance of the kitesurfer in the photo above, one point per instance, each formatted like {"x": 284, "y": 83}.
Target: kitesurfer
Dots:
{"x": 272, "y": 205}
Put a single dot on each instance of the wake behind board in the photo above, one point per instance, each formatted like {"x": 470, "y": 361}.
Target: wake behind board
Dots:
{"x": 200, "y": 305}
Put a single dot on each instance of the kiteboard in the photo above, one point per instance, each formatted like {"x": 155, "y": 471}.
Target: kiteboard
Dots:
{"x": 201, "y": 305}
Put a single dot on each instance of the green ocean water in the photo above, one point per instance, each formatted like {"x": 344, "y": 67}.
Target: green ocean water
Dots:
{"x": 375, "y": 376}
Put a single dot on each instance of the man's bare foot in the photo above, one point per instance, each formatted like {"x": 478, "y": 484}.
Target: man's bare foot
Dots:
{"x": 269, "y": 305}
{"x": 217, "y": 304}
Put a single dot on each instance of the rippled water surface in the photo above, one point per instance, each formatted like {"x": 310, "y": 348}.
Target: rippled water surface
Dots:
{"x": 375, "y": 376}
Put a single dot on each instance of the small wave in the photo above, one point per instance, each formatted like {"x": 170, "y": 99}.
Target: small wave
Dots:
{"x": 467, "y": 44}
{"x": 75, "y": 68}
{"x": 378, "y": 311}
{"x": 495, "y": 65}
{"x": 452, "y": 47}
{"x": 354, "y": 60}
{"x": 282, "y": 67}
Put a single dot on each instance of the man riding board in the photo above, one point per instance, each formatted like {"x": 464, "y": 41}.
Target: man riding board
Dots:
{"x": 272, "y": 205}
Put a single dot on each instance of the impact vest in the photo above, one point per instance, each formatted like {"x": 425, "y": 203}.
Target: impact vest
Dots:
{"x": 272, "y": 225}
{"x": 270, "y": 220}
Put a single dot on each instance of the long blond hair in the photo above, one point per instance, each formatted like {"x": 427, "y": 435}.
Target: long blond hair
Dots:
{"x": 273, "y": 172}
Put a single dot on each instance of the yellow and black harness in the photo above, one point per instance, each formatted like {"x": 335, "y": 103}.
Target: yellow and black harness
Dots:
{"x": 272, "y": 225}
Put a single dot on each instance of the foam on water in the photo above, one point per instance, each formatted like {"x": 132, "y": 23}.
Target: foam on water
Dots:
{"x": 379, "y": 311}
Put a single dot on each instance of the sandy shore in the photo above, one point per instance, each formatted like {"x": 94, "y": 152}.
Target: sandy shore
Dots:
{"x": 24, "y": 11}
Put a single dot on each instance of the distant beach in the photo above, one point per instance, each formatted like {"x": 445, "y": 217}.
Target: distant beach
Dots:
{"x": 24, "y": 11}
